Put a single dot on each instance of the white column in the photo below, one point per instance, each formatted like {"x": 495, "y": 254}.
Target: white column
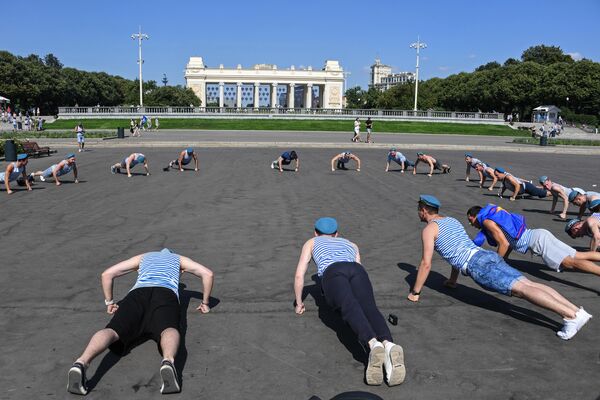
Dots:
{"x": 221, "y": 94}
{"x": 238, "y": 102}
{"x": 291, "y": 89}
{"x": 256, "y": 94}
{"x": 308, "y": 96}
{"x": 273, "y": 95}
{"x": 326, "y": 88}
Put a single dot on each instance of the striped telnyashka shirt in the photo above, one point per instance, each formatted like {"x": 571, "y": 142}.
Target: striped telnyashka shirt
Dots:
{"x": 453, "y": 243}
{"x": 328, "y": 250}
{"x": 159, "y": 269}
{"x": 521, "y": 245}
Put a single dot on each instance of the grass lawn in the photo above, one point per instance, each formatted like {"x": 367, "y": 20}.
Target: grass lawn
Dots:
{"x": 566, "y": 142}
{"x": 299, "y": 125}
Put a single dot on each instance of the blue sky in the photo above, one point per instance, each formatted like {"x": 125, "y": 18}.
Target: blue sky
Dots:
{"x": 460, "y": 35}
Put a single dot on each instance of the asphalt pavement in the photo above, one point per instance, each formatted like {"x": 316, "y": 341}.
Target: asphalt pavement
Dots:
{"x": 247, "y": 223}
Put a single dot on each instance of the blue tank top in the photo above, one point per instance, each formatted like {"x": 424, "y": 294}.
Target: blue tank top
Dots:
{"x": 328, "y": 250}
{"x": 64, "y": 170}
{"x": 453, "y": 244}
{"x": 159, "y": 269}
{"x": 16, "y": 172}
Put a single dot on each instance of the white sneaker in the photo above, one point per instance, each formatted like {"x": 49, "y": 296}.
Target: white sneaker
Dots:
{"x": 42, "y": 178}
{"x": 572, "y": 326}
{"x": 374, "y": 371}
{"x": 272, "y": 166}
{"x": 395, "y": 371}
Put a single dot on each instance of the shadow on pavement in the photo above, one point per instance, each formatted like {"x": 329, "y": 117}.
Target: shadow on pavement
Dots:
{"x": 479, "y": 298}
{"x": 534, "y": 269}
{"x": 333, "y": 321}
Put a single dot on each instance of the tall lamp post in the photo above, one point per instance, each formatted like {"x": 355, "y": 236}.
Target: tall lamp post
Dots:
{"x": 140, "y": 36}
{"x": 418, "y": 45}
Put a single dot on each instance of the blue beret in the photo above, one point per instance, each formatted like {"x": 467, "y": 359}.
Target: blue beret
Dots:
{"x": 393, "y": 149}
{"x": 189, "y": 150}
{"x": 501, "y": 170}
{"x": 326, "y": 225}
{"x": 571, "y": 223}
{"x": 430, "y": 200}
{"x": 22, "y": 156}
{"x": 574, "y": 193}
{"x": 420, "y": 154}
{"x": 468, "y": 155}
{"x": 141, "y": 158}
{"x": 543, "y": 179}
{"x": 593, "y": 204}
{"x": 70, "y": 155}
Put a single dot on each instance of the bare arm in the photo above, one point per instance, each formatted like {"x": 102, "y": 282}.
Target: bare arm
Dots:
{"x": 180, "y": 161}
{"x": 280, "y": 163}
{"x": 581, "y": 210}
{"x": 301, "y": 269}
{"x": 75, "y": 173}
{"x": 333, "y": 160}
{"x": 595, "y": 230}
{"x": 7, "y": 172}
{"x": 119, "y": 269}
{"x": 430, "y": 166}
{"x": 195, "y": 160}
{"x": 146, "y": 167}
{"x": 415, "y": 166}
{"x": 55, "y": 172}
{"x": 468, "y": 172}
{"x": 493, "y": 229}
{"x": 565, "y": 200}
{"x": 297, "y": 164}
{"x": 494, "y": 180}
{"x": 128, "y": 166}
{"x": 387, "y": 165}
{"x": 516, "y": 186}
{"x": 204, "y": 273}
{"x": 357, "y": 161}
{"x": 428, "y": 238}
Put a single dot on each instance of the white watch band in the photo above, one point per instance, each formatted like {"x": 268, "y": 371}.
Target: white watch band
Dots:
{"x": 109, "y": 302}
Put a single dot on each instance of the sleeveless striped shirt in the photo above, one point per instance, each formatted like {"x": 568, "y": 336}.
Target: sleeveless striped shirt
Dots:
{"x": 521, "y": 245}
{"x": 159, "y": 269}
{"x": 328, "y": 250}
{"x": 453, "y": 243}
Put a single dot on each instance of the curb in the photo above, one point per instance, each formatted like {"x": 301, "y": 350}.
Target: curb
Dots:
{"x": 363, "y": 146}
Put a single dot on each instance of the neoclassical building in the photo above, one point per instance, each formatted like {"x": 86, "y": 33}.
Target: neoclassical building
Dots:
{"x": 383, "y": 79}
{"x": 264, "y": 85}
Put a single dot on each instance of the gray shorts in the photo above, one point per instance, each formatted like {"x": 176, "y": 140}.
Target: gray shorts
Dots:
{"x": 544, "y": 244}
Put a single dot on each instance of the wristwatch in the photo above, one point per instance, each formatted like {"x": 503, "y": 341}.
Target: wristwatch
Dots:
{"x": 415, "y": 293}
{"x": 108, "y": 302}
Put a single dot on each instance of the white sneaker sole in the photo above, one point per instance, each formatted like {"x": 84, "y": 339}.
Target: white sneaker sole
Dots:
{"x": 74, "y": 382}
{"x": 398, "y": 370}
{"x": 374, "y": 372}
{"x": 169, "y": 380}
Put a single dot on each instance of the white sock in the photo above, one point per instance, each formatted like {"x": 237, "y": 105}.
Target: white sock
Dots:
{"x": 375, "y": 343}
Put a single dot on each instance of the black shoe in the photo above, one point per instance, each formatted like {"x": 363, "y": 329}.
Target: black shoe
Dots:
{"x": 76, "y": 382}
{"x": 165, "y": 169}
{"x": 168, "y": 374}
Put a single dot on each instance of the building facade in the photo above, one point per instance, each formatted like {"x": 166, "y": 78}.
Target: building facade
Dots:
{"x": 266, "y": 86}
{"x": 383, "y": 79}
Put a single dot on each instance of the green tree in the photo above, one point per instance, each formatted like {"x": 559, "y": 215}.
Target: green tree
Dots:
{"x": 545, "y": 55}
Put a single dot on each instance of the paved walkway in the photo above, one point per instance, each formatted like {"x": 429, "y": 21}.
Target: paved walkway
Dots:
{"x": 337, "y": 140}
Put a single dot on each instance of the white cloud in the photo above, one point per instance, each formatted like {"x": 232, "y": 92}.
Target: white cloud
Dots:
{"x": 424, "y": 58}
{"x": 443, "y": 68}
{"x": 576, "y": 56}
{"x": 471, "y": 56}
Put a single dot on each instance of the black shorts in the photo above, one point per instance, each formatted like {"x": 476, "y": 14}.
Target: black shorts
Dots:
{"x": 144, "y": 314}
{"x": 437, "y": 166}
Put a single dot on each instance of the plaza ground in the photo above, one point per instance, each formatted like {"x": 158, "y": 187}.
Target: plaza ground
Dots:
{"x": 248, "y": 223}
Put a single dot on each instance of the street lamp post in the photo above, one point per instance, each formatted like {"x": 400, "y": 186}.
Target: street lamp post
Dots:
{"x": 140, "y": 36}
{"x": 417, "y": 45}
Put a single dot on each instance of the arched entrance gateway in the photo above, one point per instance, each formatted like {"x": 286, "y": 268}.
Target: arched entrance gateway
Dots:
{"x": 266, "y": 86}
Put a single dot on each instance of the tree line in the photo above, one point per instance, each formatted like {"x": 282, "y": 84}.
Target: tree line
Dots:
{"x": 33, "y": 81}
{"x": 543, "y": 76}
